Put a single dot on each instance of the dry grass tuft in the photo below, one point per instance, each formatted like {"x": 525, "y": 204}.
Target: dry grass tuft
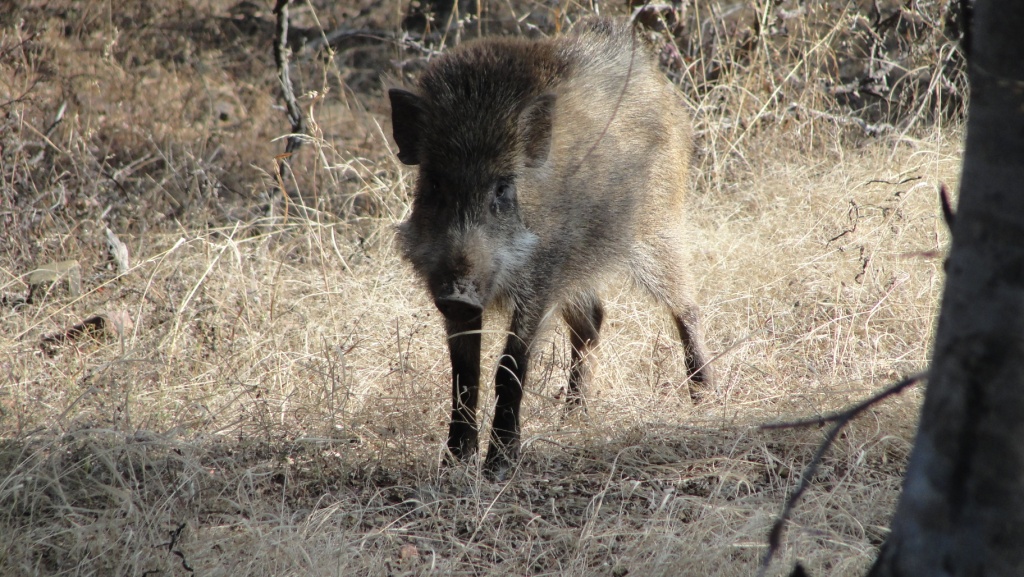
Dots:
{"x": 272, "y": 399}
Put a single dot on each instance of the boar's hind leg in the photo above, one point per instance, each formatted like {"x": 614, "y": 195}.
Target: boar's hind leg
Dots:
{"x": 464, "y": 348}
{"x": 584, "y": 315}
{"x": 656, "y": 267}
{"x": 687, "y": 319}
{"x": 508, "y": 388}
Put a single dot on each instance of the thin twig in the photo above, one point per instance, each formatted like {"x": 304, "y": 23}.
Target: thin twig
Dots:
{"x": 853, "y": 411}
{"x": 281, "y": 51}
{"x": 175, "y": 535}
{"x": 840, "y": 419}
{"x": 338, "y": 34}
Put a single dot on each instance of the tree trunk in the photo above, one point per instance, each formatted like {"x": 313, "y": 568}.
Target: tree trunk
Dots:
{"x": 962, "y": 508}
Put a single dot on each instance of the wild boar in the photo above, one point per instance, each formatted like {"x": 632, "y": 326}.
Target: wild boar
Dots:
{"x": 546, "y": 168}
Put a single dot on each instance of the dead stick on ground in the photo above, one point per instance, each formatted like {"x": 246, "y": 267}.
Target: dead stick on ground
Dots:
{"x": 840, "y": 419}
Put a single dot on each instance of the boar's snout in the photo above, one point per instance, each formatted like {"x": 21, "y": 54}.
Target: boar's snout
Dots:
{"x": 459, "y": 308}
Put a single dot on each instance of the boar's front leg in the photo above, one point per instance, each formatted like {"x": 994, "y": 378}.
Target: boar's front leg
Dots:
{"x": 508, "y": 388}
{"x": 464, "y": 348}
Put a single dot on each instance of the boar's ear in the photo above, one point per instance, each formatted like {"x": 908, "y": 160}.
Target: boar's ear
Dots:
{"x": 406, "y": 121}
{"x": 535, "y": 129}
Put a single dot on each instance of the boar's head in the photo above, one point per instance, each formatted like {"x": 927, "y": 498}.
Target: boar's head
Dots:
{"x": 477, "y": 135}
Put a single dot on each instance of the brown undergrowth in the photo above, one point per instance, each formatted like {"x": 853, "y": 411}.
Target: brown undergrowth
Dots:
{"x": 265, "y": 389}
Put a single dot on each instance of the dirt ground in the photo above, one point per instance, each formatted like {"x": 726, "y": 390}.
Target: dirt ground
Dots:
{"x": 257, "y": 385}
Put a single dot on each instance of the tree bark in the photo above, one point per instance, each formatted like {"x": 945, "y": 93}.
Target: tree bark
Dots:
{"x": 962, "y": 508}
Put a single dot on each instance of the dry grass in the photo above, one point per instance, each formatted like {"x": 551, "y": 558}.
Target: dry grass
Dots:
{"x": 276, "y": 404}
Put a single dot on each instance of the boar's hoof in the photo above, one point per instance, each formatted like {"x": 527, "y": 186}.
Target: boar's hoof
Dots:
{"x": 497, "y": 470}
{"x": 459, "y": 308}
{"x": 461, "y": 443}
{"x": 700, "y": 382}
{"x": 499, "y": 462}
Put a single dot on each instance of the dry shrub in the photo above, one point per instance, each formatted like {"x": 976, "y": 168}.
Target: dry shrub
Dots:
{"x": 278, "y": 404}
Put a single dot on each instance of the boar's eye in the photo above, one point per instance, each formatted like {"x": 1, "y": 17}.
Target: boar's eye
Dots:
{"x": 504, "y": 196}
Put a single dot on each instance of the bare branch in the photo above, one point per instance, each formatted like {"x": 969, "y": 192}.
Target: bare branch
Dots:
{"x": 847, "y": 414}
{"x": 840, "y": 419}
{"x": 281, "y": 52}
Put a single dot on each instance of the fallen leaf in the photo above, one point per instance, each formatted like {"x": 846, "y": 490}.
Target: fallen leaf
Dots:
{"x": 118, "y": 252}
{"x": 51, "y": 273}
{"x": 408, "y": 552}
